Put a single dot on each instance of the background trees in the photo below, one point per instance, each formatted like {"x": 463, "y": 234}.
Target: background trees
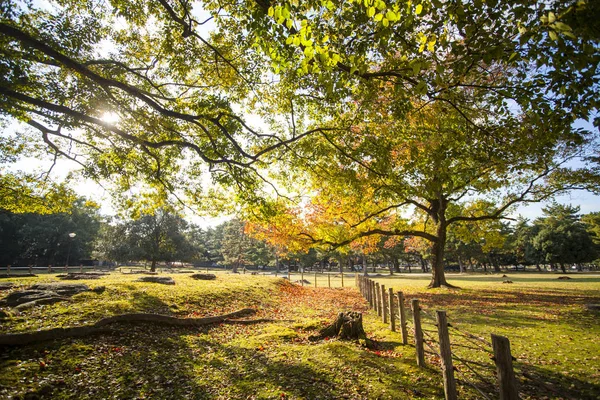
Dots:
{"x": 562, "y": 239}
{"x": 42, "y": 239}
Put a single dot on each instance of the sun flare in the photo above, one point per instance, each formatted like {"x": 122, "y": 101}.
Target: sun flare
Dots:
{"x": 110, "y": 117}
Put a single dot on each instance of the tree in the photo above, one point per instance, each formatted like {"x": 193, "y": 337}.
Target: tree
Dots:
{"x": 43, "y": 239}
{"x": 466, "y": 106}
{"x": 239, "y": 249}
{"x": 171, "y": 88}
{"x": 153, "y": 102}
{"x": 437, "y": 166}
{"x": 562, "y": 239}
{"x": 157, "y": 237}
{"x": 524, "y": 249}
{"x": 592, "y": 224}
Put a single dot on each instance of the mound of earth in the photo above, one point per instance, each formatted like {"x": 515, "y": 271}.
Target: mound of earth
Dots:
{"x": 204, "y": 277}
{"x": 43, "y": 293}
{"x": 165, "y": 280}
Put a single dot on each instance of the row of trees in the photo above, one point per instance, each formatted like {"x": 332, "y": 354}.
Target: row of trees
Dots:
{"x": 559, "y": 239}
{"x": 160, "y": 236}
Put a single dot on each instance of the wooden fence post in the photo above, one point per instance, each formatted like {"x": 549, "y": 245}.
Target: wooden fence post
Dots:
{"x": 49, "y": 268}
{"x": 329, "y": 280}
{"x": 402, "y": 314}
{"x": 378, "y": 299}
{"x": 342, "y": 278}
{"x": 30, "y": 269}
{"x": 391, "y": 309}
{"x": 302, "y": 276}
{"x": 504, "y": 368}
{"x": 446, "y": 354}
{"x": 81, "y": 268}
{"x": 384, "y": 314}
{"x": 315, "y": 279}
{"x": 418, "y": 333}
{"x": 370, "y": 292}
{"x": 289, "y": 276}
{"x": 374, "y": 295}
{"x": 8, "y": 269}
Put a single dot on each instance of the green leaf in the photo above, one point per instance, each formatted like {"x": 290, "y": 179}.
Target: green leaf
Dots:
{"x": 562, "y": 27}
{"x": 553, "y": 35}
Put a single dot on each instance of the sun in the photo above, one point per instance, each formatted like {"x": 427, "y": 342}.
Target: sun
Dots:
{"x": 110, "y": 117}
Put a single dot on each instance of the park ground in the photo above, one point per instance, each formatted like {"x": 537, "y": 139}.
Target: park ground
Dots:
{"x": 554, "y": 338}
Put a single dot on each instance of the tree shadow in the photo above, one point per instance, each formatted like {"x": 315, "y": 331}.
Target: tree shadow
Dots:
{"x": 537, "y": 382}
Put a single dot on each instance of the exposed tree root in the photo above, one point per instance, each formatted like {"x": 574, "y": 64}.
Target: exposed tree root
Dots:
{"x": 18, "y": 339}
{"x": 444, "y": 285}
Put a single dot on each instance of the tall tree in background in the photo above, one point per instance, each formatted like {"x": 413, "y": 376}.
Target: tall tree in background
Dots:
{"x": 158, "y": 236}
{"x": 562, "y": 239}
{"x": 44, "y": 239}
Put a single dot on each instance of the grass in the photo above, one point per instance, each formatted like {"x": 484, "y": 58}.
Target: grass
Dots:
{"x": 554, "y": 338}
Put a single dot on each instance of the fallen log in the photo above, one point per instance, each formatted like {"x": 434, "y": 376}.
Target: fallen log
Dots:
{"x": 19, "y": 339}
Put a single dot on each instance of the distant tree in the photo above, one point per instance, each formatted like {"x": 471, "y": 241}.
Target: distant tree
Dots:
{"x": 562, "y": 238}
{"x": 44, "y": 238}
{"x": 592, "y": 225}
{"x": 239, "y": 249}
{"x": 522, "y": 242}
{"x": 112, "y": 243}
{"x": 158, "y": 237}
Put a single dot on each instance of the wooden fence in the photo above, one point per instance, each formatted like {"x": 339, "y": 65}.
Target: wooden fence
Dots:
{"x": 390, "y": 306}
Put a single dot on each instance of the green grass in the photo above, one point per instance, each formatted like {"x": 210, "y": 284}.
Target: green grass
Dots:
{"x": 554, "y": 338}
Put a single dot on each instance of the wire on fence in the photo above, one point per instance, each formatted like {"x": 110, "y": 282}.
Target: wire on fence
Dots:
{"x": 427, "y": 314}
{"x": 470, "y": 336}
{"x": 468, "y": 382}
{"x": 481, "y": 365}
{"x": 466, "y": 364}
{"x": 465, "y": 346}
{"x": 429, "y": 337}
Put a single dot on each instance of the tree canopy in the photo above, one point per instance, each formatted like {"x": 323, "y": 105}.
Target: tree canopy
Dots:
{"x": 451, "y": 111}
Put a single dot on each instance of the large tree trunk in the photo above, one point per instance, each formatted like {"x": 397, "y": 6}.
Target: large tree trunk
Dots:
{"x": 461, "y": 266}
{"x": 153, "y": 266}
{"x": 438, "y": 276}
{"x": 396, "y": 264}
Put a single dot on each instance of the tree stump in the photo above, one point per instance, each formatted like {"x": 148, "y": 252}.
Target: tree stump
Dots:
{"x": 348, "y": 325}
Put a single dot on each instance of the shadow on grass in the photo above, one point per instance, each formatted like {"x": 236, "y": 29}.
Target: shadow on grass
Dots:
{"x": 493, "y": 298}
{"x": 537, "y": 382}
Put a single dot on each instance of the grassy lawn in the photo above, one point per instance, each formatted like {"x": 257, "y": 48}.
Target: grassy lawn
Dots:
{"x": 552, "y": 335}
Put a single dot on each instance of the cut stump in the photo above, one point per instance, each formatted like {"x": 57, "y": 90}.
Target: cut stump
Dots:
{"x": 348, "y": 325}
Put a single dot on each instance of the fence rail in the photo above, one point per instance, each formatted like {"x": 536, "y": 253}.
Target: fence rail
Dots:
{"x": 392, "y": 308}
